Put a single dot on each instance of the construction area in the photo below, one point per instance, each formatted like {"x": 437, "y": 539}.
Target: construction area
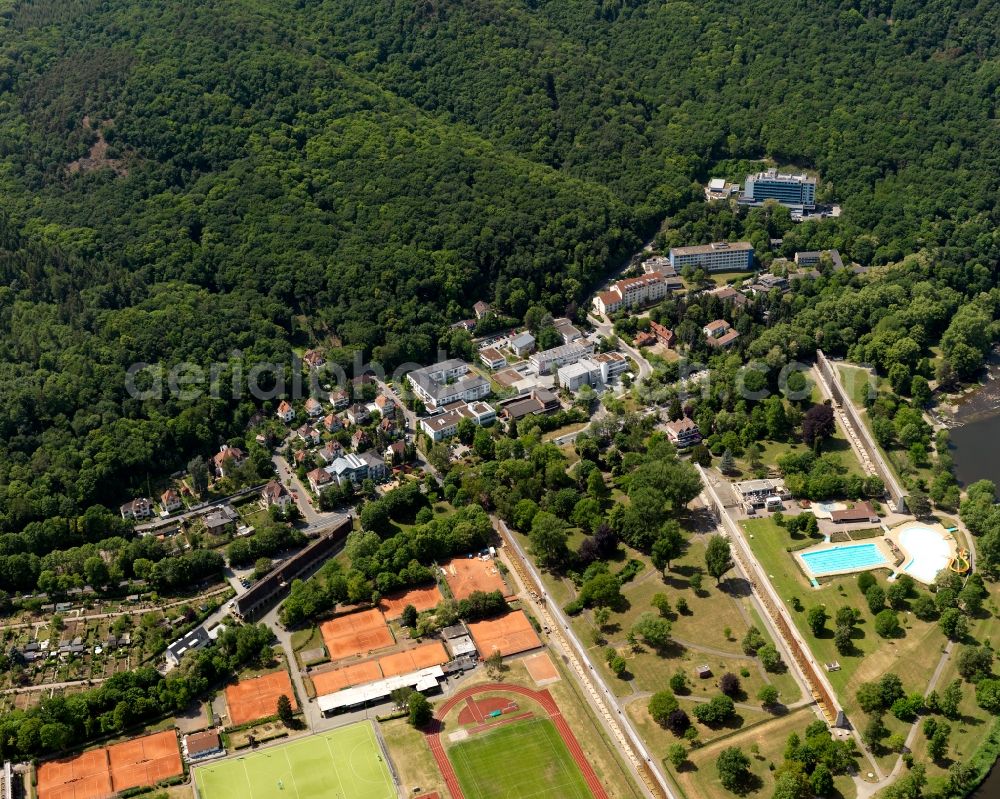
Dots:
{"x": 257, "y": 698}
{"x": 100, "y": 773}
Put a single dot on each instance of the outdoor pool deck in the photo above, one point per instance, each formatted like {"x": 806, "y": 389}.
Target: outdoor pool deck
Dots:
{"x": 926, "y": 550}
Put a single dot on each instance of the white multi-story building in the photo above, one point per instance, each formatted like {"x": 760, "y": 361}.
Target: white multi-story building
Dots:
{"x": 632, "y": 292}
{"x": 719, "y": 256}
{"x": 446, "y": 382}
{"x": 547, "y": 360}
{"x": 591, "y": 371}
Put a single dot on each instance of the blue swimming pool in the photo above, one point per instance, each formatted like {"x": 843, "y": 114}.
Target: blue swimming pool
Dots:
{"x": 841, "y": 559}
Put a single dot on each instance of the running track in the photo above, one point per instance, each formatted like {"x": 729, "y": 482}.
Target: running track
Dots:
{"x": 544, "y": 698}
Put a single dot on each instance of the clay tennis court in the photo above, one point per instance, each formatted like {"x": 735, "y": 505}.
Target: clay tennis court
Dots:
{"x": 329, "y": 682}
{"x": 249, "y": 700}
{"x": 355, "y": 633}
{"x": 144, "y": 761}
{"x": 101, "y": 773}
{"x": 421, "y": 598}
{"x": 465, "y": 575}
{"x": 541, "y": 668}
{"x": 85, "y": 776}
{"x": 422, "y": 657}
{"x": 508, "y": 634}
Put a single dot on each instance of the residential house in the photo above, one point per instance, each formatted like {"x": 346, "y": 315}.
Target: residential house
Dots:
{"x": 309, "y": 434}
{"x": 664, "y": 335}
{"x": 387, "y": 427}
{"x": 445, "y": 425}
{"x": 683, "y": 433}
{"x": 632, "y": 292}
{"x": 395, "y": 453}
{"x": 226, "y": 458}
{"x": 358, "y": 414}
{"x": 522, "y": 344}
{"x": 467, "y": 325}
{"x": 332, "y": 450}
{"x": 138, "y": 508}
{"x": 313, "y": 359}
{"x": 319, "y": 479}
{"x": 481, "y": 309}
{"x": 285, "y": 411}
{"x": 385, "y": 406}
{"x": 730, "y": 295}
{"x": 300, "y": 457}
{"x": 359, "y": 439}
{"x": 194, "y": 640}
{"x": 170, "y": 501}
{"x": 725, "y": 340}
{"x": 332, "y": 423}
{"x": 221, "y": 520}
{"x": 644, "y": 339}
{"x": 716, "y": 328}
{"x": 351, "y": 468}
{"x": 340, "y": 399}
{"x": 493, "y": 358}
{"x": 275, "y": 493}
{"x": 447, "y": 382}
{"x": 314, "y": 408}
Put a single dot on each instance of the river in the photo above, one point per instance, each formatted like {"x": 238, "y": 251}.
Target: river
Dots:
{"x": 974, "y": 441}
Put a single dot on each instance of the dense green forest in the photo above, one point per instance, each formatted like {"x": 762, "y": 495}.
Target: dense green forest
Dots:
{"x": 224, "y": 181}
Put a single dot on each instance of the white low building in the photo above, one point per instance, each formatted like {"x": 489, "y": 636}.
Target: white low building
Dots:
{"x": 548, "y": 360}
{"x": 380, "y": 690}
{"x": 445, "y": 425}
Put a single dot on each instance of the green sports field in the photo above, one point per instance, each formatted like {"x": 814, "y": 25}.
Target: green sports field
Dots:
{"x": 346, "y": 763}
{"x": 517, "y": 761}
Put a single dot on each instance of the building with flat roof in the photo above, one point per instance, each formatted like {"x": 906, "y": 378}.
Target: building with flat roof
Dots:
{"x": 719, "y": 256}
{"x": 548, "y": 360}
{"x": 493, "y": 358}
{"x": 794, "y": 191}
{"x": 815, "y": 257}
{"x": 424, "y": 681}
{"x": 539, "y": 401}
{"x": 446, "y": 382}
{"x": 445, "y": 425}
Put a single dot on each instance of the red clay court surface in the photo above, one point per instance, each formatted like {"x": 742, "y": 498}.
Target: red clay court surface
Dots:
{"x": 421, "y": 598}
{"x": 465, "y": 575}
{"x": 144, "y": 761}
{"x": 510, "y": 634}
{"x": 249, "y": 700}
{"x": 353, "y": 634}
{"x": 476, "y": 711}
{"x": 544, "y": 698}
{"x": 103, "y": 772}
{"x": 421, "y": 657}
{"x": 541, "y": 668}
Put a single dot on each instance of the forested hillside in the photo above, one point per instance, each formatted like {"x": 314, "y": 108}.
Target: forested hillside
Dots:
{"x": 180, "y": 180}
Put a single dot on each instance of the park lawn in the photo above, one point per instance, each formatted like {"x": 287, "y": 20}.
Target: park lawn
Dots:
{"x": 660, "y": 738}
{"x": 545, "y": 769}
{"x": 700, "y": 778}
{"x": 412, "y": 757}
{"x": 559, "y": 432}
{"x": 788, "y": 687}
{"x": 912, "y": 657}
{"x": 975, "y": 725}
{"x": 837, "y": 447}
{"x": 343, "y": 762}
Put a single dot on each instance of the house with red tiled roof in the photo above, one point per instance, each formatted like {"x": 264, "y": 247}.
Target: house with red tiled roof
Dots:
{"x": 332, "y": 423}
{"x": 286, "y": 412}
{"x": 170, "y": 500}
{"x": 226, "y": 458}
{"x": 313, "y": 407}
{"x": 275, "y": 493}
{"x": 313, "y": 359}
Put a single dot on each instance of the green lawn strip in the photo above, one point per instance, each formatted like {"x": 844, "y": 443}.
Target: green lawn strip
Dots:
{"x": 544, "y": 767}
{"x": 343, "y": 762}
{"x": 912, "y": 657}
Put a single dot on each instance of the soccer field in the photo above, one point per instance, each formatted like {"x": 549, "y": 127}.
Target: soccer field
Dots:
{"x": 346, "y": 763}
{"x": 517, "y": 761}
